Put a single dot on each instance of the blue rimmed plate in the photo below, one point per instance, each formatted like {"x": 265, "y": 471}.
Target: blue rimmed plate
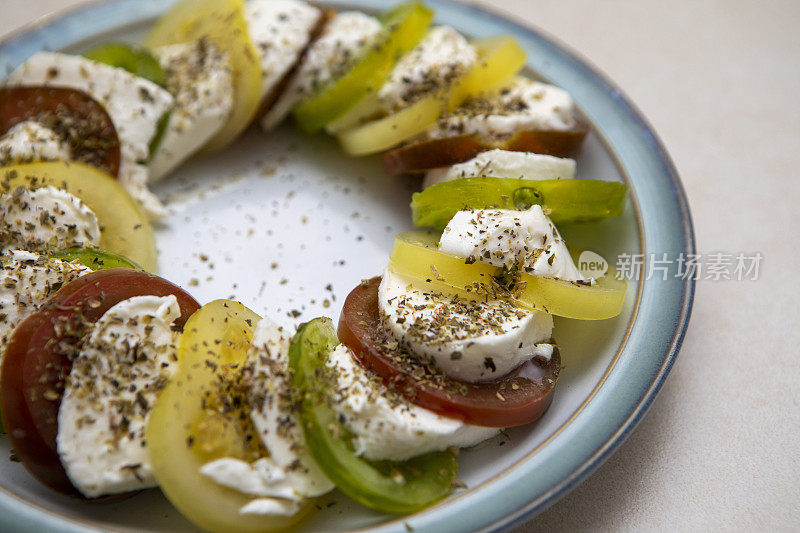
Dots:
{"x": 327, "y": 220}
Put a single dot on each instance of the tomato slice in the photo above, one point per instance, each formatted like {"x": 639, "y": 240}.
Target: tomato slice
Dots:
{"x": 398, "y": 487}
{"x": 416, "y": 256}
{"x": 89, "y": 257}
{"x": 568, "y": 200}
{"x": 520, "y": 397}
{"x": 499, "y": 58}
{"x": 223, "y": 23}
{"x": 135, "y": 60}
{"x": 74, "y": 115}
{"x": 405, "y": 26}
{"x": 437, "y": 153}
{"x": 186, "y": 431}
{"x": 277, "y": 91}
{"x": 38, "y": 457}
{"x": 39, "y": 358}
{"x": 124, "y": 229}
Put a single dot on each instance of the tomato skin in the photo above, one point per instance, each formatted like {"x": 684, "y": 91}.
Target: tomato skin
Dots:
{"x": 493, "y": 404}
{"x": 36, "y": 455}
{"x": 436, "y": 153}
{"x": 425, "y": 155}
{"x": 565, "y": 143}
{"x": 35, "y": 365}
{"x": 95, "y": 143}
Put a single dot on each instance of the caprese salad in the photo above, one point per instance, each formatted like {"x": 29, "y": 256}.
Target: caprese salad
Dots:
{"x": 113, "y": 379}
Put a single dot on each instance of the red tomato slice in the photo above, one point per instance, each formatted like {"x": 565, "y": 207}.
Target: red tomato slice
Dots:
{"x": 75, "y": 115}
{"x": 39, "y": 357}
{"x": 520, "y": 397}
{"x": 437, "y": 153}
{"x": 35, "y": 453}
{"x": 277, "y": 91}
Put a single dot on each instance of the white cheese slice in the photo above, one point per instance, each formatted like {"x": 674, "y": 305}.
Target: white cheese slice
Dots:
{"x": 385, "y": 425}
{"x": 280, "y": 30}
{"x": 114, "y": 381}
{"x": 45, "y": 219}
{"x": 27, "y": 281}
{"x": 523, "y": 105}
{"x": 30, "y": 141}
{"x": 505, "y": 164}
{"x": 467, "y": 340}
{"x": 527, "y": 240}
{"x": 289, "y": 475}
{"x": 441, "y": 57}
{"x": 134, "y": 104}
{"x": 199, "y": 78}
{"x": 271, "y": 495}
{"x": 343, "y": 42}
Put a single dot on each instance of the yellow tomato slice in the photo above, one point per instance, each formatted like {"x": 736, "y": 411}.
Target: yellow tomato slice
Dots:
{"x": 124, "y": 229}
{"x": 222, "y": 22}
{"x": 416, "y": 255}
{"x": 499, "y": 58}
{"x": 186, "y": 430}
{"x": 389, "y": 131}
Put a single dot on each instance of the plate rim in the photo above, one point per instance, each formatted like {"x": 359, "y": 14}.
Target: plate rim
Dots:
{"x": 607, "y": 449}
{"x": 32, "y": 515}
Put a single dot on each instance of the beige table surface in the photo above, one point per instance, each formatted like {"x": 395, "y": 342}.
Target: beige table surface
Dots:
{"x": 720, "y": 82}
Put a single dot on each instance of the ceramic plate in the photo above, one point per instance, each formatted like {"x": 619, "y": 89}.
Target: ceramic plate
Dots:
{"x": 289, "y": 225}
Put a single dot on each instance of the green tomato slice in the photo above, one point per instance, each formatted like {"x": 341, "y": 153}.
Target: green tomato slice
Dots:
{"x": 95, "y": 259}
{"x": 158, "y": 136}
{"x": 499, "y": 58}
{"x": 416, "y": 256}
{"x": 124, "y": 229}
{"x": 386, "y": 486}
{"x": 405, "y": 25}
{"x": 188, "y": 427}
{"x": 569, "y": 200}
{"x": 137, "y": 61}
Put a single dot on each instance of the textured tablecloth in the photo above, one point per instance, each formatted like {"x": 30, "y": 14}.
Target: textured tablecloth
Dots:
{"x": 720, "y": 82}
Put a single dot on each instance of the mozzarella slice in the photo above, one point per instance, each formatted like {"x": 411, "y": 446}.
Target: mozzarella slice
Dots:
{"x": 116, "y": 377}
{"x": 288, "y": 475}
{"x": 505, "y": 164}
{"x": 134, "y": 104}
{"x": 280, "y": 30}
{"x": 30, "y": 141}
{"x": 523, "y": 105}
{"x": 385, "y": 425}
{"x": 27, "y": 280}
{"x": 45, "y": 219}
{"x": 468, "y": 340}
{"x": 526, "y": 240}
{"x": 439, "y": 59}
{"x": 199, "y": 78}
{"x": 343, "y": 42}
